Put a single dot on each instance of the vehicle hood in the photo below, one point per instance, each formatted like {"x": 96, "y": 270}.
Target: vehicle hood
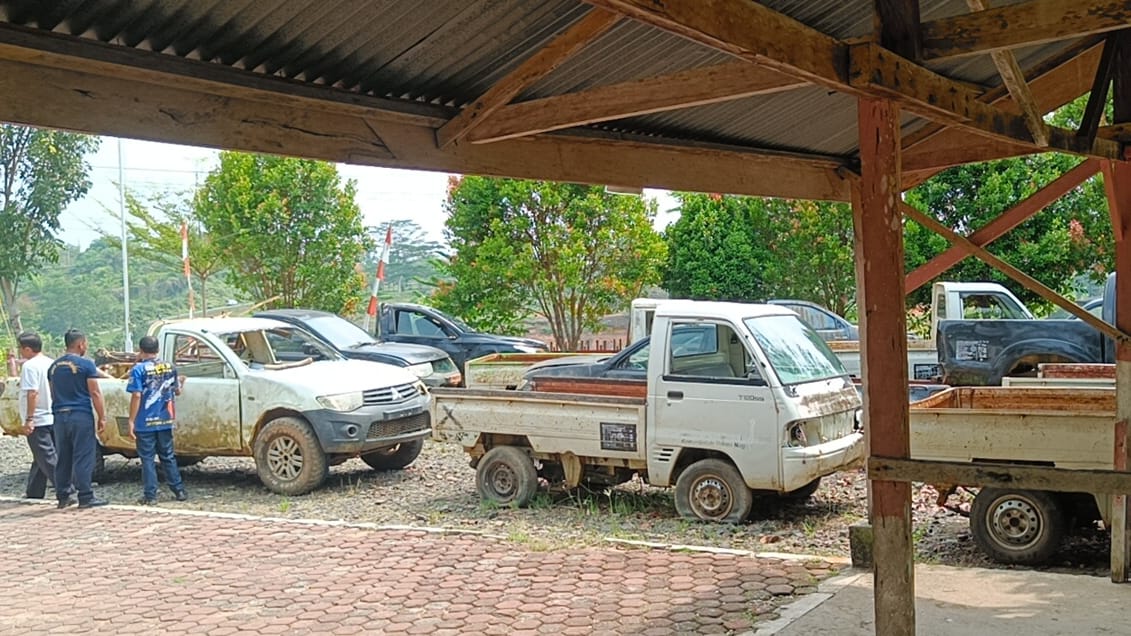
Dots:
{"x": 327, "y": 377}
{"x": 410, "y": 353}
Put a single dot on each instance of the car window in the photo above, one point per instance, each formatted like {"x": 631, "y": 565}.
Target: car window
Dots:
{"x": 197, "y": 359}
{"x": 291, "y": 345}
{"x": 794, "y": 350}
{"x": 815, "y": 318}
{"x": 709, "y": 351}
{"x": 976, "y": 306}
{"x": 425, "y": 326}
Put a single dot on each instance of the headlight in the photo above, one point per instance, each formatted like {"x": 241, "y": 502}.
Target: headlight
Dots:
{"x": 342, "y": 401}
{"x": 422, "y": 370}
{"x": 527, "y": 349}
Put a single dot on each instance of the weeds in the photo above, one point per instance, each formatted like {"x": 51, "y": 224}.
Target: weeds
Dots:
{"x": 284, "y": 505}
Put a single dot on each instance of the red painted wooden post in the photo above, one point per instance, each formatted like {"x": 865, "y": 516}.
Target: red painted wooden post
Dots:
{"x": 1117, "y": 183}
{"x": 879, "y": 271}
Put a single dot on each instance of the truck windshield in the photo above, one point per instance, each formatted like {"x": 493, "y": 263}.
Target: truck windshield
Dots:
{"x": 795, "y": 351}
{"x": 341, "y": 333}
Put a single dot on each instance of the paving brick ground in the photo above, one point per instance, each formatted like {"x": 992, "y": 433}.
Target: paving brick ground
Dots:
{"x": 133, "y": 571}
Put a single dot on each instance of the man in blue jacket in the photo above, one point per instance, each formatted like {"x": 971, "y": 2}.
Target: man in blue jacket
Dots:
{"x": 153, "y": 386}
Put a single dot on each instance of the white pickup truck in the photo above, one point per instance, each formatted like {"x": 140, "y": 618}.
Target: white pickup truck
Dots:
{"x": 296, "y": 419}
{"x": 753, "y": 403}
{"x": 949, "y": 301}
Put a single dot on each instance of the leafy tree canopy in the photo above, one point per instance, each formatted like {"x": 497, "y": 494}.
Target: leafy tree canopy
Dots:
{"x": 573, "y": 253}
{"x": 41, "y": 171}
{"x": 289, "y": 229}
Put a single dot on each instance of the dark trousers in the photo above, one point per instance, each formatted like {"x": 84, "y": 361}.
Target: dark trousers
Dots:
{"x": 151, "y": 444}
{"x": 42, "y": 445}
{"x": 76, "y": 445}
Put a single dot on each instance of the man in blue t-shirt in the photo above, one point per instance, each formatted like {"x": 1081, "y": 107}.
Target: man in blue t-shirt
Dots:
{"x": 152, "y": 387}
{"x": 74, "y": 390}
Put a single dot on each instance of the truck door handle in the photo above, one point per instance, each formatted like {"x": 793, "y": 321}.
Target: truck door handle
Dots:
{"x": 675, "y": 395}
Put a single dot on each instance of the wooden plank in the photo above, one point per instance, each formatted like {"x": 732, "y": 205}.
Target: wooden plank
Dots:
{"x": 883, "y": 355}
{"x": 1021, "y": 24}
{"x": 52, "y": 49}
{"x": 745, "y": 29}
{"x": 592, "y": 26}
{"x": 1014, "y": 80}
{"x": 173, "y": 114}
{"x": 696, "y": 87}
{"x": 986, "y": 474}
{"x": 897, "y": 23}
{"x": 936, "y": 97}
{"x": 1004, "y": 222}
{"x": 1097, "y": 96}
{"x": 1117, "y": 184}
{"x": 1027, "y": 281}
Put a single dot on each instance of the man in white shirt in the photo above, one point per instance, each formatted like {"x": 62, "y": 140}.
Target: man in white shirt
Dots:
{"x": 35, "y": 411}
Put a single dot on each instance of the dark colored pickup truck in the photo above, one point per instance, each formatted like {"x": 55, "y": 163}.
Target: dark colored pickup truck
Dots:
{"x": 417, "y": 324}
{"x": 982, "y": 352}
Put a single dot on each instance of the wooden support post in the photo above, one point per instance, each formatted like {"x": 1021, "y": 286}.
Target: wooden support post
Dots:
{"x": 1117, "y": 182}
{"x": 879, "y": 271}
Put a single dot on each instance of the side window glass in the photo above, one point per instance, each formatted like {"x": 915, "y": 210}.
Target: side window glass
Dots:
{"x": 984, "y": 306}
{"x": 404, "y": 323}
{"x": 196, "y": 359}
{"x": 713, "y": 352}
{"x": 425, "y": 327}
{"x": 636, "y": 361}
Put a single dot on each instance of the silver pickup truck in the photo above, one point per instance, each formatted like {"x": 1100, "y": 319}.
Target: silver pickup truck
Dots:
{"x": 295, "y": 418}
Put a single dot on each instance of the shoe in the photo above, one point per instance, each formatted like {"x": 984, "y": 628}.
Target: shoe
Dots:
{"x": 181, "y": 495}
{"x": 65, "y": 503}
{"x": 145, "y": 501}
{"x": 93, "y": 503}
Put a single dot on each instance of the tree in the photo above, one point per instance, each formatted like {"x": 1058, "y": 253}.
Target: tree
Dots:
{"x": 574, "y": 252}
{"x": 750, "y": 249}
{"x": 412, "y": 259}
{"x": 155, "y": 235}
{"x": 290, "y": 232}
{"x": 41, "y": 171}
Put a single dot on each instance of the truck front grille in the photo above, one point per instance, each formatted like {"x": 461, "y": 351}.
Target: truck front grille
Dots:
{"x": 403, "y": 426}
{"x": 391, "y": 395}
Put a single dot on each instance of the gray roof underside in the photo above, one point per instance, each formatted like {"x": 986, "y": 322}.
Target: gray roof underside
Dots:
{"x": 448, "y": 52}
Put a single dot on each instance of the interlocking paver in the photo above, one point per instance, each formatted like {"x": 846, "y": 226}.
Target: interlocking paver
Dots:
{"x": 220, "y": 575}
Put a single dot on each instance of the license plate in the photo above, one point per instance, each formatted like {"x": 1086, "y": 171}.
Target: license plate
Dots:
{"x": 396, "y": 415}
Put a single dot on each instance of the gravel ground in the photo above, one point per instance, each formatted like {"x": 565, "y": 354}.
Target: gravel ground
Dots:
{"x": 439, "y": 490}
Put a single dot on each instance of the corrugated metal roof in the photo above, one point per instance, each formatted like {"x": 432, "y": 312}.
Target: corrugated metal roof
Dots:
{"x": 450, "y": 52}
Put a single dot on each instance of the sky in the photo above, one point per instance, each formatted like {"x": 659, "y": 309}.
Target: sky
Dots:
{"x": 383, "y": 194}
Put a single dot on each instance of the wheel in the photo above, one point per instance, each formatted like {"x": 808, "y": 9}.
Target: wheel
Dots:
{"x": 288, "y": 458}
{"x": 506, "y": 475}
{"x": 803, "y": 493}
{"x": 1017, "y": 526}
{"x": 99, "y": 474}
{"x": 394, "y": 457}
{"x": 712, "y": 490}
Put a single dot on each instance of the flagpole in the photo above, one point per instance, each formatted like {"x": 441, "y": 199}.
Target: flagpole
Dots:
{"x": 371, "y": 311}
{"x": 188, "y": 270}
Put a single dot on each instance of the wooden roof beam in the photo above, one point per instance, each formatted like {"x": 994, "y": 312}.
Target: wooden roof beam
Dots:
{"x": 759, "y": 34}
{"x": 897, "y": 25}
{"x": 928, "y": 94}
{"x": 1021, "y": 24}
{"x": 696, "y": 87}
{"x": 1014, "y": 80}
{"x": 592, "y": 26}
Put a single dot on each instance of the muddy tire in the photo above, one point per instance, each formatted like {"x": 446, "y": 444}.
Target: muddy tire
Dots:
{"x": 803, "y": 493}
{"x": 712, "y": 490}
{"x": 506, "y": 476}
{"x": 1022, "y": 527}
{"x": 99, "y": 474}
{"x": 288, "y": 457}
{"x": 394, "y": 457}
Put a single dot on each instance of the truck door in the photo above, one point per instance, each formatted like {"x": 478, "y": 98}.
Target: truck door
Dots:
{"x": 418, "y": 328}
{"x": 710, "y": 393}
{"x": 208, "y": 409}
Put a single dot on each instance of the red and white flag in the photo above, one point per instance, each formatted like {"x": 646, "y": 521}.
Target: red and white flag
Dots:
{"x": 371, "y": 312}
{"x": 188, "y": 270}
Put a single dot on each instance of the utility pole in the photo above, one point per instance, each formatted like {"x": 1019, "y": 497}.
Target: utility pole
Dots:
{"x": 125, "y": 251}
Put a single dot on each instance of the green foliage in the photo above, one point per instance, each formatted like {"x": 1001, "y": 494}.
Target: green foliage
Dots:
{"x": 41, "y": 171}
{"x": 154, "y": 234}
{"x": 576, "y": 251}
{"x": 290, "y": 232}
{"x": 747, "y": 248}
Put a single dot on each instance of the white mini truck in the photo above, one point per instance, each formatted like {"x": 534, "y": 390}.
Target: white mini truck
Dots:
{"x": 740, "y": 400}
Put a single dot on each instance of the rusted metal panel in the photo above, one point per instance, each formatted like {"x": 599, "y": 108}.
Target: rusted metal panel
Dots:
{"x": 1069, "y": 370}
{"x": 616, "y": 387}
